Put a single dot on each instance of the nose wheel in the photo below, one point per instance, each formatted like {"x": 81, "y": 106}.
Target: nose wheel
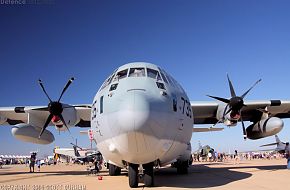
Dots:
{"x": 148, "y": 175}
{"x": 133, "y": 175}
{"x": 114, "y": 170}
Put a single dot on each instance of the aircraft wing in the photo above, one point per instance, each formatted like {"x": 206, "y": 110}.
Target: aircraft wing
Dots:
{"x": 206, "y": 112}
{"x": 28, "y": 114}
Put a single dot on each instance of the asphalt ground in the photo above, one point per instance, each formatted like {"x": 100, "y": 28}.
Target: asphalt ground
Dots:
{"x": 254, "y": 174}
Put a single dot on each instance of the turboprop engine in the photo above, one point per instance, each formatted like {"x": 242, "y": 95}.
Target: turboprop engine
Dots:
{"x": 28, "y": 133}
{"x": 264, "y": 128}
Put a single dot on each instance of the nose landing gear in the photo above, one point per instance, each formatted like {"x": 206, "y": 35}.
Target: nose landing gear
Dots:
{"x": 148, "y": 175}
{"x": 133, "y": 175}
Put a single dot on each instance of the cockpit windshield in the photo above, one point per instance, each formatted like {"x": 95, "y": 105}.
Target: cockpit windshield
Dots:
{"x": 137, "y": 72}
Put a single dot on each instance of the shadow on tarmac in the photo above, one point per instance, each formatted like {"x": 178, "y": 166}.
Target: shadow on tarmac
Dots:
{"x": 202, "y": 176}
{"x": 199, "y": 176}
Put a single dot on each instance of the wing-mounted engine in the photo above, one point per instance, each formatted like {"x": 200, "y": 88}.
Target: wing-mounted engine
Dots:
{"x": 232, "y": 111}
{"x": 28, "y": 133}
{"x": 69, "y": 116}
{"x": 61, "y": 115}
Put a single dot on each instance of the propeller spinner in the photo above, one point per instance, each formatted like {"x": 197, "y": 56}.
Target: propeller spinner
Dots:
{"x": 235, "y": 103}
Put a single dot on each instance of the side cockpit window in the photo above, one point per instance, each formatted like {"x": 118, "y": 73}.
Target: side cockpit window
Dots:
{"x": 151, "y": 73}
{"x": 137, "y": 72}
{"x": 101, "y": 104}
{"x": 108, "y": 81}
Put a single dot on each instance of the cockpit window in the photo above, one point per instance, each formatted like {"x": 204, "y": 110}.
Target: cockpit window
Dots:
{"x": 153, "y": 74}
{"x": 108, "y": 81}
{"x": 120, "y": 75}
{"x": 137, "y": 72}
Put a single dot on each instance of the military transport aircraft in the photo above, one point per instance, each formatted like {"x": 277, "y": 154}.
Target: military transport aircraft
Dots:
{"x": 142, "y": 116}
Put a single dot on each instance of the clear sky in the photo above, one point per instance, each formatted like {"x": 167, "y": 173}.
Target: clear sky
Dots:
{"x": 196, "y": 41}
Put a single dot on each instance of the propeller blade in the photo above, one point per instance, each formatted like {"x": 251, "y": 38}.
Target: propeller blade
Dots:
{"x": 63, "y": 121}
{"x": 66, "y": 86}
{"x": 233, "y": 94}
{"x": 244, "y": 129}
{"x": 41, "y": 109}
{"x": 43, "y": 89}
{"x": 251, "y": 88}
{"x": 220, "y": 99}
{"x": 46, "y": 124}
{"x": 77, "y": 106}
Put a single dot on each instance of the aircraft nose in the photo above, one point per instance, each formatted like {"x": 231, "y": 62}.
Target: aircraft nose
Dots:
{"x": 134, "y": 142}
{"x": 134, "y": 112}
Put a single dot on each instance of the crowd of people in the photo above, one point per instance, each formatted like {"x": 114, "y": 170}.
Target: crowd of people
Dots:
{"x": 214, "y": 156}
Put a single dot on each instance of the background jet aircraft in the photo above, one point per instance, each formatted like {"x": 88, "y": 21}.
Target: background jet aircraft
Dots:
{"x": 77, "y": 153}
{"x": 280, "y": 146}
{"x": 141, "y": 116}
{"x": 202, "y": 149}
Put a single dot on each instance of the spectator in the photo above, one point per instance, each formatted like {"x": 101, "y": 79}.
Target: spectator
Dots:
{"x": 287, "y": 155}
{"x": 32, "y": 162}
{"x": 38, "y": 163}
{"x": 236, "y": 157}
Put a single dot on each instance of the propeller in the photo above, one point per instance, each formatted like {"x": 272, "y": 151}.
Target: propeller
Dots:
{"x": 235, "y": 103}
{"x": 55, "y": 108}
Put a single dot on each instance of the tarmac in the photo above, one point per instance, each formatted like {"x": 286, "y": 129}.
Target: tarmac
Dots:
{"x": 254, "y": 174}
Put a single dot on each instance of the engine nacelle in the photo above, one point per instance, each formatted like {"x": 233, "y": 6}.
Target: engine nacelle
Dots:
{"x": 28, "y": 133}
{"x": 265, "y": 128}
{"x": 69, "y": 115}
{"x": 230, "y": 119}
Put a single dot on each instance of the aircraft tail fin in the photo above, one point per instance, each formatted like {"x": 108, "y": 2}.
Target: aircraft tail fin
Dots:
{"x": 199, "y": 145}
{"x": 77, "y": 154}
{"x": 277, "y": 139}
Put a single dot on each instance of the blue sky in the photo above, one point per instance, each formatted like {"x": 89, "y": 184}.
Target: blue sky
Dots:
{"x": 198, "y": 42}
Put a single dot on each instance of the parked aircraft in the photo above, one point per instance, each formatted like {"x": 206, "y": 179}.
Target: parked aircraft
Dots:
{"x": 77, "y": 153}
{"x": 141, "y": 115}
{"x": 280, "y": 146}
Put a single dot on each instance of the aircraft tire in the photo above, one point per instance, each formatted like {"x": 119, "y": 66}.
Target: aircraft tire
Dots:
{"x": 182, "y": 168}
{"x": 148, "y": 175}
{"x": 190, "y": 160}
{"x": 114, "y": 170}
{"x": 133, "y": 175}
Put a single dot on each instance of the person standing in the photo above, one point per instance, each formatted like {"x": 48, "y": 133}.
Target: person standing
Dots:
{"x": 38, "y": 163}
{"x": 236, "y": 157}
{"x": 32, "y": 162}
{"x": 287, "y": 154}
